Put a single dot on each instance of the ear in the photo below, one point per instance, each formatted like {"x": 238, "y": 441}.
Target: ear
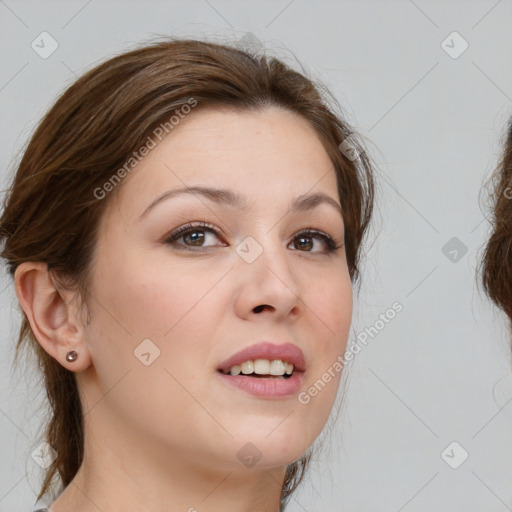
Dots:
{"x": 53, "y": 316}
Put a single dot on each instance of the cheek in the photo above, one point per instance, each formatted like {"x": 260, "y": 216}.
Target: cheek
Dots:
{"x": 151, "y": 300}
{"x": 332, "y": 313}
{"x": 330, "y": 306}
{"x": 176, "y": 311}
{"x": 335, "y": 303}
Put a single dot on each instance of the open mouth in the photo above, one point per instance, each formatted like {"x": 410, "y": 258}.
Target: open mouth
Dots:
{"x": 266, "y": 370}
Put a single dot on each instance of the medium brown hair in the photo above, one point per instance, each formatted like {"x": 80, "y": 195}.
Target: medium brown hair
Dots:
{"x": 51, "y": 214}
{"x": 496, "y": 264}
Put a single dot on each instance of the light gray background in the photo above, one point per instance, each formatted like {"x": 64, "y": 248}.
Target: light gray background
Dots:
{"x": 440, "y": 371}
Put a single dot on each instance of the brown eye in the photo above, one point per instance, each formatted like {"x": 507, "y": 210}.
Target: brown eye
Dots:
{"x": 304, "y": 241}
{"x": 194, "y": 236}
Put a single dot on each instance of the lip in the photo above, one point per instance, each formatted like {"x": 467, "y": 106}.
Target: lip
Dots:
{"x": 267, "y": 350}
{"x": 266, "y": 387}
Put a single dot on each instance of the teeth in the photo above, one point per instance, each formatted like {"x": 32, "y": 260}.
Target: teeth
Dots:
{"x": 236, "y": 370}
{"x": 276, "y": 367}
{"x": 262, "y": 367}
{"x": 247, "y": 367}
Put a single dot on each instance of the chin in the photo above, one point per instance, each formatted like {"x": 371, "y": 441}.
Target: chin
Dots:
{"x": 272, "y": 446}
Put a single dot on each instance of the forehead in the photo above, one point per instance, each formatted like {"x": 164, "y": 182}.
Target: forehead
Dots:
{"x": 266, "y": 155}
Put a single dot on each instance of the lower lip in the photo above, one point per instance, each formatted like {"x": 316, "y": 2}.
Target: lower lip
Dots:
{"x": 266, "y": 388}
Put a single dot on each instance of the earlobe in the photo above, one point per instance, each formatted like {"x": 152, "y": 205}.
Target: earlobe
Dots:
{"x": 51, "y": 315}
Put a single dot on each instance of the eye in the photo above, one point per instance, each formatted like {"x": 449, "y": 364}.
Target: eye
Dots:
{"x": 304, "y": 240}
{"x": 193, "y": 236}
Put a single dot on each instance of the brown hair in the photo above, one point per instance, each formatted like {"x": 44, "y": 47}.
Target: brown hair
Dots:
{"x": 51, "y": 214}
{"x": 496, "y": 264}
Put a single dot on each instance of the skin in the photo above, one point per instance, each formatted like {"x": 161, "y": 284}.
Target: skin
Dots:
{"x": 165, "y": 436}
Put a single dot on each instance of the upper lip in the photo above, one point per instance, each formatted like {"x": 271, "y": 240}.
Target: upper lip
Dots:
{"x": 267, "y": 350}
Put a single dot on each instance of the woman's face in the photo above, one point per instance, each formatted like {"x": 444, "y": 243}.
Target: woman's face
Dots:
{"x": 166, "y": 314}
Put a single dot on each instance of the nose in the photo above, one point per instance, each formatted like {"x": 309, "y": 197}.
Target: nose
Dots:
{"x": 267, "y": 286}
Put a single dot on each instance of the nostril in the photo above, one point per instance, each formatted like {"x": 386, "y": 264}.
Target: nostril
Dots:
{"x": 260, "y": 308}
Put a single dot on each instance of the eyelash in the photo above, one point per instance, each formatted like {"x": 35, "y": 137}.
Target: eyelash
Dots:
{"x": 330, "y": 243}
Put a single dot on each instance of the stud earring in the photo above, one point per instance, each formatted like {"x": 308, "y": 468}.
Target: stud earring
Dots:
{"x": 71, "y": 356}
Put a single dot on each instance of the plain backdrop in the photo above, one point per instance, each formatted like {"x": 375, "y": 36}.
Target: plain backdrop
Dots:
{"x": 426, "y": 421}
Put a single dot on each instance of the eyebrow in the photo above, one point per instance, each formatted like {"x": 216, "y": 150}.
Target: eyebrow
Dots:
{"x": 231, "y": 198}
